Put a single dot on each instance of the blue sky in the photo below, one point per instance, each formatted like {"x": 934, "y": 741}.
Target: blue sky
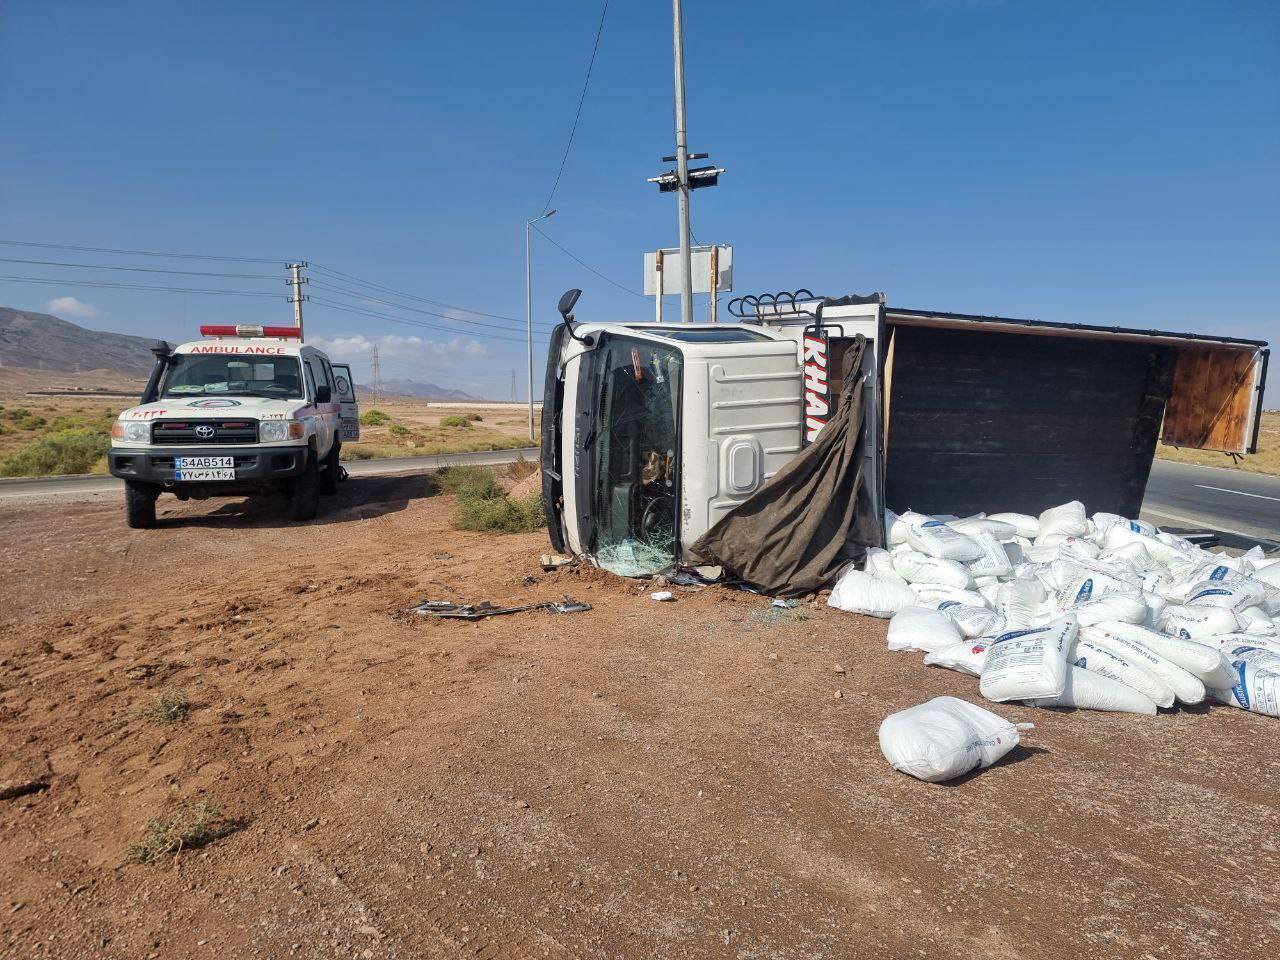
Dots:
{"x": 1108, "y": 163}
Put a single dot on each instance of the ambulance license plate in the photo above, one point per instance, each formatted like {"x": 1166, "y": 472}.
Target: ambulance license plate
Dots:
{"x": 204, "y": 468}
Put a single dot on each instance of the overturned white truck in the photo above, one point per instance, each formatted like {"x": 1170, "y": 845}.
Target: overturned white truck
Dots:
{"x": 653, "y": 432}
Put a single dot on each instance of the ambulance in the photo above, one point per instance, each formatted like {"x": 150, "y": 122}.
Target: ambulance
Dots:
{"x": 245, "y": 410}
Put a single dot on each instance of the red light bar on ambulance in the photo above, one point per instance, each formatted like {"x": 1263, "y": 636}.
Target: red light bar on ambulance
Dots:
{"x": 247, "y": 330}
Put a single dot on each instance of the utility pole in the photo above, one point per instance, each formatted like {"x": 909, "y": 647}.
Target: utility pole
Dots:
{"x": 528, "y": 305}
{"x": 296, "y": 280}
{"x": 682, "y": 165}
{"x": 375, "y": 373}
{"x": 513, "y": 386}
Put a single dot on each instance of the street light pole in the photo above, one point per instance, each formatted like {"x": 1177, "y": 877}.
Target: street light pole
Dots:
{"x": 682, "y": 167}
{"x": 528, "y": 303}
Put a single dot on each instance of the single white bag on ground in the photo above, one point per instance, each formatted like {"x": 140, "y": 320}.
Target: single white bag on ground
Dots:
{"x": 1107, "y": 662}
{"x": 916, "y": 567}
{"x": 879, "y": 563}
{"x": 1256, "y": 689}
{"x": 921, "y": 628}
{"x": 1024, "y": 664}
{"x": 1092, "y": 691}
{"x": 994, "y": 561}
{"x": 967, "y": 656}
{"x": 936, "y": 539}
{"x": 1194, "y": 623}
{"x": 946, "y": 738}
{"x": 1067, "y": 520}
{"x": 936, "y": 594}
{"x": 971, "y": 621}
{"x": 1026, "y": 525}
{"x": 1185, "y": 686}
{"x": 1205, "y": 663}
{"x": 860, "y": 592}
{"x": 1112, "y": 606}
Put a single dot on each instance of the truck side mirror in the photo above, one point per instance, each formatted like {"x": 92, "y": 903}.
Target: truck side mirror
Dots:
{"x": 567, "y": 301}
{"x": 323, "y": 393}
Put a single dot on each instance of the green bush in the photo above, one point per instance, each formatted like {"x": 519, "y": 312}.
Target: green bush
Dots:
{"x": 399, "y": 429}
{"x": 17, "y": 413}
{"x": 457, "y": 420}
{"x": 501, "y": 514}
{"x": 32, "y": 423}
{"x": 67, "y": 451}
{"x": 470, "y": 483}
{"x": 374, "y": 418}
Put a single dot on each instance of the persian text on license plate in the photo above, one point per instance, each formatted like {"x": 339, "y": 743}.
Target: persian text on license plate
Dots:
{"x": 214, "y": 474}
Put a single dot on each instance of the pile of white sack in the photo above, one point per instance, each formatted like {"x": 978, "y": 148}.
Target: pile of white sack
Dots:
{"x": 1064, "y": 609}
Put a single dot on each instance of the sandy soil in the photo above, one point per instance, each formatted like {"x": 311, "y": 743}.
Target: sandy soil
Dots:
{"x": 643, "y": 780}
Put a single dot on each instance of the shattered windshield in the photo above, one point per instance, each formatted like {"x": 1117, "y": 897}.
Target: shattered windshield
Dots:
{"x": 195, "y": 375}
{"x": 637, "y": 464}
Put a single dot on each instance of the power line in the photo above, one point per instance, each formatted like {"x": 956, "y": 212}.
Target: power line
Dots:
{"x": 407, "y": 296}
{"x": 399, "y": 306}
{"x": 106, "y": 266}
{"x": 136, "y": 253}
{"x": 141, "y": 286}
{"x": 406, "y": 321}
{"x": 581, "y": 100}
{"x": 581, "y": 263}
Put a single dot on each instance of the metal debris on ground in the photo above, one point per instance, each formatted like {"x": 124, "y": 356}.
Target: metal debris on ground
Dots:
{"x": 447, "y": 610}
{"x": 554, "y": 561}
{"x": 664, "y": 595}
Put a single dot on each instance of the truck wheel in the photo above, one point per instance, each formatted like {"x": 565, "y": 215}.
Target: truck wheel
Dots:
{"x": 140, "y": 505}
{"x": 304, "y": 497}
{"x": 329, "y": 478}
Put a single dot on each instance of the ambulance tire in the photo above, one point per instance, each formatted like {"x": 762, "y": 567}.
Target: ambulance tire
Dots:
{"x": 140, "y": 505}
{"x": 304, "y": 496}
{"x": 332, "y": 468}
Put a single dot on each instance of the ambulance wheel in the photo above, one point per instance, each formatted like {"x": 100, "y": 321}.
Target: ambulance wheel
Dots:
{"x": 304, "y": 497}
{"x": 140, "y": 504}
{"x": 332, "y": 468}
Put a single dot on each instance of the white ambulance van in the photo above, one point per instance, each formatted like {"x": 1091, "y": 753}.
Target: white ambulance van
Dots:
{"x": 245, "y": 410}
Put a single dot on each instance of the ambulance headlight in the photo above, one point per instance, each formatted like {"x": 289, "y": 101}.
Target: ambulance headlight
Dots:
{"x": 273, "y": 431}
{"x": 135, "y": 432}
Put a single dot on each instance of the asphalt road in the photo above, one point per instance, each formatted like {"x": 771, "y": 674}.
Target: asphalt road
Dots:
{"x": 68, "y": 486}
{"x": 1243, "y": 506}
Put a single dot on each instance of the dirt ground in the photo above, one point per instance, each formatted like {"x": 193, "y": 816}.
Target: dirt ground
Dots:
{"x": 692, "y": 779}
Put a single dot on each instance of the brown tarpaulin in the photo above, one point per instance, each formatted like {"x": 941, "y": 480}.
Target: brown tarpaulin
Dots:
{"x": 797, "y": 532}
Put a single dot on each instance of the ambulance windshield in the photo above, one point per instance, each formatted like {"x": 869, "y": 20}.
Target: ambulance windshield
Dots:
{"x": 223, "y": 375}
{"x": 636, "y": 467}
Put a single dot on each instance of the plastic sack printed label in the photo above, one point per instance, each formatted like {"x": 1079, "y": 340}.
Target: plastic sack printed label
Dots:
{"x": 1025, "y": 664}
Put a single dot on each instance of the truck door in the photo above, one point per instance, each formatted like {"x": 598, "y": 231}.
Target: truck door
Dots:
{"x": 346, "y": 396}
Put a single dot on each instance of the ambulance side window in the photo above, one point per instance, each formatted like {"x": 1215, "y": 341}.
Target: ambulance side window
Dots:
{"x": 311, "y": 381}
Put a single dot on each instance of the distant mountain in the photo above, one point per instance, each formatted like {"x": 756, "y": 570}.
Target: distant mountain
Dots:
{"x": 39, "y": 341}
{"x": 417, "y": 388}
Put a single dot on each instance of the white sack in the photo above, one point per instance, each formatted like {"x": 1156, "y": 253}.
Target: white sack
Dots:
{"x": 921, "y": 628}
{"x": 1112, "y": 606}
{"x": 1102, "y": 521}
{"x": 1205, "y": 663}
{"x": 936, "y": 594}
{"x": 1185, "y": 686}
{"x": 1067, "y": 520}
{"x": 1256, "y": 689}
{"x": 920, "y": 568}
{"x": 971, "y": 621}
{"x": 1255, "y": 620}
{"x": 994, "y": 561}
{"x": 1237, "y": 596}
{"x": 1194, "y": 623}
{"x": 859, "y": 592}
{"x": 879, "y": 563}
{"x": 1026, "y": 525}
{"x": 1091, "y": 691}
{"x": 895, "y": 528}
{"x": 1024, "y": 664}
{"x": 1108, "y": 662}
{"x": 1269, "y": 574}
{"x": 946, "y": 738}
{"x": 972, "y": 526}
{"x": 939, "y": 540}
{"x": 1021, "y": 602}
{"x": 967, "y": 656}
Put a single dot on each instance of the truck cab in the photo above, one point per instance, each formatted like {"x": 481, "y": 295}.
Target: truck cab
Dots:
{"x": 246, "y": 410}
